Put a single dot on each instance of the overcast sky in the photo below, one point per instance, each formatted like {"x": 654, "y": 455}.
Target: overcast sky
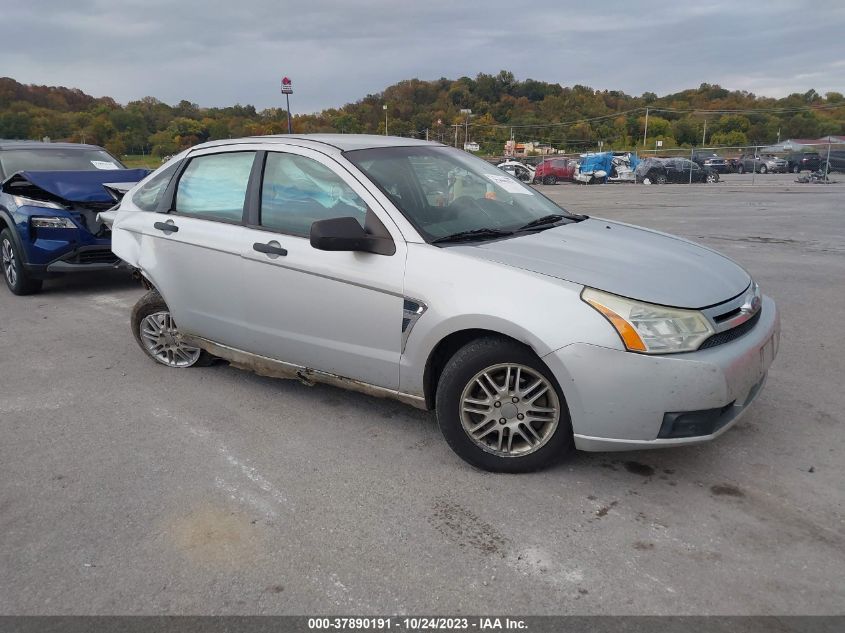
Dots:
{"x": 218, "y": 53}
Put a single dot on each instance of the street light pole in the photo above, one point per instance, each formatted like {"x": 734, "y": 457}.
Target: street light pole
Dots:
{"x": 645, "y": 132}
{"x": 384, "y": 107}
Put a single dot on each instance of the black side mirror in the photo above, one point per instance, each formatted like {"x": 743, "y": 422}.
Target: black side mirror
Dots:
{"x": 346, "y": 234}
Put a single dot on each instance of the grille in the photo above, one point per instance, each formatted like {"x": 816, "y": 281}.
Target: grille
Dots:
{"x": 731, "y": 335}
{"x": 96, "y": 257}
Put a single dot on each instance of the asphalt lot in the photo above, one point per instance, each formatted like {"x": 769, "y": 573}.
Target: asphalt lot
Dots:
{"x": 127, "y": 487}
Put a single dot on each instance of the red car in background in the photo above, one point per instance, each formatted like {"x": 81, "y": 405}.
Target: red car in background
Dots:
{"x": 552, "y": 170}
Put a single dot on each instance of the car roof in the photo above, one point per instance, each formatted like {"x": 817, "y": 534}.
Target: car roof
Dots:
{"x": 11, "y": 144}
{"x": 340, "y": 142}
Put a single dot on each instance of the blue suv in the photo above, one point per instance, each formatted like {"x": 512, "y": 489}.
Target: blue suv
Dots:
{"x": 49, "y": 200}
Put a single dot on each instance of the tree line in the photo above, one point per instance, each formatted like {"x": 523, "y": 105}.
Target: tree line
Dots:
{"x": 572, "y": 118}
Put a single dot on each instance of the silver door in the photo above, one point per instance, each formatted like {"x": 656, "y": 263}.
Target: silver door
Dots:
{"x": 337, "y": 312}
{"x": 193, "y": 253}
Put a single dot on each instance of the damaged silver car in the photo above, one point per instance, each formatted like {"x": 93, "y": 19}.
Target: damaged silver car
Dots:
{"x": 415, "y": 271}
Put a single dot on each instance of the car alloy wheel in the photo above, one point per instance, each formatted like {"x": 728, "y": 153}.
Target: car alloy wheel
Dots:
{"x": 712, "y": 178}
{"x": 659, "y": 179}
{"x": 10, "y": 264}
{"x": 796, "y": 169}
{"x": 509, "y": 410}
{"x": 162, "y": 341}
{"x": 763, "y": 169}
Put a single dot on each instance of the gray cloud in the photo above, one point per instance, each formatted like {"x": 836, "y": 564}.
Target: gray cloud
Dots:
{"x": 220, "y": 53}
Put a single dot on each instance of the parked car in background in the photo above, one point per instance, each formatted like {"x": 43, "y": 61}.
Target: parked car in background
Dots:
{"x": 762, "y": 164}
{"x": 322, "y": 258}
{"x": 713, "y": 161}
{"x": 49, "y": 200}
{"x": 518, "y": 170}
{"x": 605, "y": 167}
{"x": 803, "y": 161}
{"x": 552, "y": 170}
{"x": 733, "y": 164}
{"x": 659, "y": 171}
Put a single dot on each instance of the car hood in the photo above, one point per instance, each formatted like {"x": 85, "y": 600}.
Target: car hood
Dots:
{"x": 622, "y": 259}
{"x": 70, "y": 186}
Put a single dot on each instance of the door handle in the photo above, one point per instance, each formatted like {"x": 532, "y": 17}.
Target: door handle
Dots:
{"x": 167, "y": 227}
{"x": 271, "y": 249}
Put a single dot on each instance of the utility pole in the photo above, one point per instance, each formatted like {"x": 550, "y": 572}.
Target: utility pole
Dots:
{"x": 468, "y": 113}
{"x": 384, "y": 107}
{"x": 426, "y": 133}
{"x": 456, "y": 126}
{"x": 645, "y": 132}
{"x": 704, "y": 136}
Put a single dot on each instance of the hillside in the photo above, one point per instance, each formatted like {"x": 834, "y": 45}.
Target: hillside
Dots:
{"x": 574, "y": 118}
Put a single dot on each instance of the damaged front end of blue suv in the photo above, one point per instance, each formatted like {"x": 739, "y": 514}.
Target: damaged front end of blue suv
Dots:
{"x": 50, "y": 196}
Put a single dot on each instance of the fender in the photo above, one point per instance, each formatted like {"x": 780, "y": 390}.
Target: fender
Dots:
{"x": 9, "y": 222}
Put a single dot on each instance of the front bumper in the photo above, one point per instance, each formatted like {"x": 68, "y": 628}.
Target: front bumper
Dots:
{"x": 77, "y": 260}
{"x": 620, "y": 400}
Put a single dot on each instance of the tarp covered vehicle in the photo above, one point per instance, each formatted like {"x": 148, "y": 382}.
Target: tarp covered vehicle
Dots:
{"x": 606, "y": 167}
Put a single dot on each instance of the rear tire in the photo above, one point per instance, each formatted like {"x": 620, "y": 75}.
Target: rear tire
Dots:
{"x": 740, "y": 170}
{"x": 20, "y": 282}
{"x": 796, "y": 169}
{"x": 550, "y": 180}
{"x": 659, "y": 179}
{"x": 538, "y": 434}
{"x": 764, "y": 169}
{"x": 156, "y": 333}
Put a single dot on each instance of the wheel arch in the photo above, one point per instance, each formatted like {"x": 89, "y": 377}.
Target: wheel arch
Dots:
{"x": 8, "y": 222}
{"x": 446, "y": 348}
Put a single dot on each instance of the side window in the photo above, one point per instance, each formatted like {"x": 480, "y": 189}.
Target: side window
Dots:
{"x": 297, "y": 191}
{"x": 149, "y": 195}
{"x": 214, "y": 185}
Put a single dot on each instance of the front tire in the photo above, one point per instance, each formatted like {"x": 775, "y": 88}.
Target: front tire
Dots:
{"x": 17, "y": 278}
{"x": 796, "y": 169}
{"x": 550, "y": 180}
{"x": 156, "y": 333}
{"x": 740, "y": 170}
{"x": 764, "y": 169}
{"x": 500, "y": 409}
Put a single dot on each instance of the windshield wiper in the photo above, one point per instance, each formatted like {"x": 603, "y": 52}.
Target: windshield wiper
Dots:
{"x": 473, "y": 234}
{"x": 546, "y": 219}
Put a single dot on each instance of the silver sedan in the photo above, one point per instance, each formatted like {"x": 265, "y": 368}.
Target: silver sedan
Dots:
{"x": 412, "y": 270}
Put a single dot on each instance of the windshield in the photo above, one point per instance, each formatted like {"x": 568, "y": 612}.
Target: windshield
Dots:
{"x": 443, "y": 191}
{"x": 56, "y": 159}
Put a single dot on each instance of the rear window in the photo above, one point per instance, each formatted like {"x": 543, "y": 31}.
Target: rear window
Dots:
{"x": 57, "y": 159}
{"x": 213, "y": 186}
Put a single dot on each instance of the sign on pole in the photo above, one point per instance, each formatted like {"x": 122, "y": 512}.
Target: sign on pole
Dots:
{"x": 287, "y": 90}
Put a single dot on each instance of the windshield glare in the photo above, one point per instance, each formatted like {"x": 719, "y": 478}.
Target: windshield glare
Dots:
{"x": 56, "y": 159}
{"x": 443, "y": 190}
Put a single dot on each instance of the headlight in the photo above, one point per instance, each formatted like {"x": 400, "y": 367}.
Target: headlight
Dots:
{"x": 21, "y": 201}
{"x": 649, "y": 328}
{"x": 52, "y": 223}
